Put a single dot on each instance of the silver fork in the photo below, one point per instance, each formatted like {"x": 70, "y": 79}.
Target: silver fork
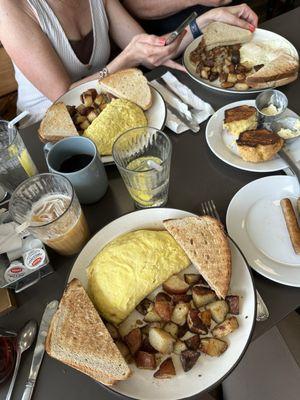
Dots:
{"x": 262, "y": 312}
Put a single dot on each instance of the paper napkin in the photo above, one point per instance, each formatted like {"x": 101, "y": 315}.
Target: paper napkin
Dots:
{"x": 194, "y": 109}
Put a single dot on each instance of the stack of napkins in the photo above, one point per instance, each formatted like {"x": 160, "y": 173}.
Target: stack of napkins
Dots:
{"x": 194, "y": 109}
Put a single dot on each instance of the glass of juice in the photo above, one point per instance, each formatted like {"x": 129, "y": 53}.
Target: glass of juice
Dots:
{"x": 48, "y": 204}
{"x": 143, "y": 157}
{"x": 16, "y": 164}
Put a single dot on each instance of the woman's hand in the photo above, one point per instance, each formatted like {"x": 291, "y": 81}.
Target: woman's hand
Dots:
{"x": 240, "y": 15}
{"x": 150, "y": 50}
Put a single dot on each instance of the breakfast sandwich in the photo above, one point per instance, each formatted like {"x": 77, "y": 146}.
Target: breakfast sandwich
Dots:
{"x": 116, "y": 118}
{"x": 57, "y": 124}
{"x": 258, "y": 145}
{"x": 240, "y": 119}
{"x": 78, "y": 337}
{"x": 129, "y": 84}
{"x": 221, "y": 34}
{"x": 129, "y": 268}
{"x": 204, "y": 241}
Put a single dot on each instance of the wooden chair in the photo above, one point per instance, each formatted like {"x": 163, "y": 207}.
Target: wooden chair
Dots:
{"x": 8, "y": 87}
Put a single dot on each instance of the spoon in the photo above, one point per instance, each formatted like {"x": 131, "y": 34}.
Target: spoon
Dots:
{"x": 24, "y": 340}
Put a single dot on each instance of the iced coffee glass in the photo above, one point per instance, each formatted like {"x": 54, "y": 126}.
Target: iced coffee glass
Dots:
{"x": 48, "y": 203}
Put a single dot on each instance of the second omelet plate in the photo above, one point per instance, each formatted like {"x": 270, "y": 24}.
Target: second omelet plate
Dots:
{"x": 156, "y": 115}
{"x": 222, "y": 144}
{"x": 208, "y": 371}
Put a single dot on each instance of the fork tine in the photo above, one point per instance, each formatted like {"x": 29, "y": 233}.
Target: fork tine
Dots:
{"x": 207, "y": 211}
{"x": 203, "y": 208}
{"x": 211, "y": 211}
{"x": 215, "y": 210}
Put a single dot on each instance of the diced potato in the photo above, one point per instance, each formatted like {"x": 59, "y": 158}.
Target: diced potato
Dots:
{"x": 192, "y": 279}
{"x": 162, "y": 341}
{"x": 241, "y": 86}
{"x": 87, "y": 99}
{"x": 195, "y": 324}
{"x": 164, "y": 309}
{"x": 188, "y": 359}
{"x": 145, "y": 360}
{"x": 78, "y": 119}
{"x": 193, "y": 342}
{"x": 232, "y": 78}
{"x": 213, "y": 347}
{"x": 99, "y": 99}
{"x": 145, "y": 329}
{"x": 113, "y": 331}
{"x": 227, "y": 85}
{"x": 134, "y": 340}
{"x": 179, "y": 346}
{"x": 233, "y": 303}
{"x": 180, "y": 313}
{"x": 229, "y": 325}
{"x": 84, "y": 125}
{"x": 175, "y": 285}
{"x": 81, "y": 109}
{"x": 182, "y": 329}
{"x": 92, "y": 115}
{"x": 166, "y": 370}
{"x": 187, "y": 336}
{"x": 152, "y": 315}
{"x": 172, "y": 329}
{"x": 205, "y": 317}
{"x": 146, "y": 346}
{"x": 162, "y": 296}
{"x": 202, "y": 296}
{"x": 219, "y": 310}
{"x": 144, "y": 306}
{"x": 181, "y": 298}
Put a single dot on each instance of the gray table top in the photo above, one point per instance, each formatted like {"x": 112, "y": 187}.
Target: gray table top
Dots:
{"x": 196, "y": 175}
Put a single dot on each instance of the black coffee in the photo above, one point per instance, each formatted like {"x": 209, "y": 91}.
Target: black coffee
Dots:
{"x": 75, "y": 163}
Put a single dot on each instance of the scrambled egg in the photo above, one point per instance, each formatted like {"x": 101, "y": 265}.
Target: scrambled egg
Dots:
{"x": 117, "y": 117}
{"x": 129, "y": 268}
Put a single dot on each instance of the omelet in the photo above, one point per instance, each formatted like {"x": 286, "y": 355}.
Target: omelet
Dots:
{"x": 129, "y": 268}
{"x": 117, "y": 117}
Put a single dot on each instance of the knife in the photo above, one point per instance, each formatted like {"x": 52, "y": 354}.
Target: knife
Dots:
{"x": 39, "y": 349}
{"x": 193, "y": 127}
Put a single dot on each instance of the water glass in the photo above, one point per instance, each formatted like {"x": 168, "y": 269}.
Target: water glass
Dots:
{"x": 16, "y": 164}
{"x": 57, "y": 220}
{"x": 143, "y": 157}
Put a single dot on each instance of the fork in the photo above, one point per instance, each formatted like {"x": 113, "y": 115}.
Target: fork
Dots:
{"x": 262, "y": 312}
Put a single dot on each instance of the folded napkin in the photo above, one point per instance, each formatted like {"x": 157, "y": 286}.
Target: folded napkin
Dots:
{"x": 193, "y": 108}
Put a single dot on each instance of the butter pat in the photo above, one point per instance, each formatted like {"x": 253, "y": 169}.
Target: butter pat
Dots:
{"x": 270, "y": 110}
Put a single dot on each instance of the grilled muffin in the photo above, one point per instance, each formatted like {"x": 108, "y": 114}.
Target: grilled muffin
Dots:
{"x": 240, "y": 119}
{"x": 258, "y": 145}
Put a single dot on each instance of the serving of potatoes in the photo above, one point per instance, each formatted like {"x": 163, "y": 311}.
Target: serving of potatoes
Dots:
{"x": 222, "y": 63}
{"x": 185, "y": 319}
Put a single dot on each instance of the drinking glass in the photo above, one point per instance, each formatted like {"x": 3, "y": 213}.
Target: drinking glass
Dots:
{"x": 16, "y": 164}
{"x": 143, "y": 157}
{"x": 58, "y": 220}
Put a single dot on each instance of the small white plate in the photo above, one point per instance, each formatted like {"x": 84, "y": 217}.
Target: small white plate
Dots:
{"x": 209, "y": 370}
{"x": 255, "y": 221}
{"x": 258, "y": 36}
{"x": 156, "y": 115}
{"x": 222, "y": 144}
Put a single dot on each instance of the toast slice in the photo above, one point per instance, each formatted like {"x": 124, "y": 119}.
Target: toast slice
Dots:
{"x": 129, "y": 84}
{"x": 220, "y": 34}
{"x": 258, "y": 145}
{"x": 78, "y": 337}
{"x": 206, "y": 244}
{"x": 239, "y": 119}
{"x": 57, "y": 124}
{"x": 283, "y": 67}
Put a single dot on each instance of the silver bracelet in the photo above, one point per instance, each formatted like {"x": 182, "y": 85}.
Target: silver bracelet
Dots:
{"x": 103, "y": 73}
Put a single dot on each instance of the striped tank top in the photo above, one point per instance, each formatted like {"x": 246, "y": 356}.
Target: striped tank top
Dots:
{"x": 29, "y": 97}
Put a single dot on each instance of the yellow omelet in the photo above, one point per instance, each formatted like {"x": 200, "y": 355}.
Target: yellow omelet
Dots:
{"x": 129, "y": 268}
{"x": 117, "y": 117}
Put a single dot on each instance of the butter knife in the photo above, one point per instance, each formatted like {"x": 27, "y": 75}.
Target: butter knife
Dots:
{"x": 39, "y": 349}
{"x": 193, "y": 127}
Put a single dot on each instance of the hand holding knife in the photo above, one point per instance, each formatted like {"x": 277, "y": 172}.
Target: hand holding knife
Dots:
{"x": 39, "y": 348}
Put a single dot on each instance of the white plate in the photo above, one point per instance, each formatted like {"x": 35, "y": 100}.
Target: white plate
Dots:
{"x": 156, "y": 115}
{"x": 208, "y": 370}
{"x": 255, "y": 221}
{"x": 258, "y": 36}
{"x": 223, "y": 145}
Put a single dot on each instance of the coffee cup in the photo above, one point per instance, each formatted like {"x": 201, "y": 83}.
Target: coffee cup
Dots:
{"x": 78, "y": 160}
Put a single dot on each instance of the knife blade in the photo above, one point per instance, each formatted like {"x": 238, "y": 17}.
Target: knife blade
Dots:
{"x": 193, "y": 127}
{"x": 39, "y": 349}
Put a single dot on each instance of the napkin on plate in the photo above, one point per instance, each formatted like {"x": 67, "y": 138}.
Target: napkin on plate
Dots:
{"x": 194, "y": 108}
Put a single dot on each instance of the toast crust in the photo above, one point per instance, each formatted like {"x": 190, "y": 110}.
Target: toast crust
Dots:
{"x": 206, "y": 244}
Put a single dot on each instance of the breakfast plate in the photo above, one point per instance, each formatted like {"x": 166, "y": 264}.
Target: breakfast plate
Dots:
{"x": 223, "y": 145}
{"x": 156, "y": 115}
{"x": 259, "y": 36}
{"x": 255, "y": 221}
{"x": 208, "y": 371}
